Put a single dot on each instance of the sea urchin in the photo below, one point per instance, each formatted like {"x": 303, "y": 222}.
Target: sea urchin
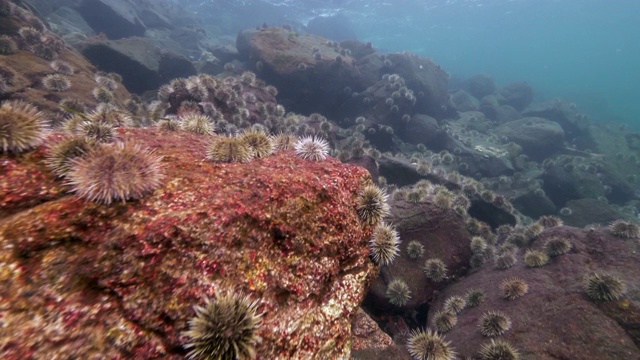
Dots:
{"x": 372, "y": 204}
{"x": 429, "y": 345}
{"x": 604, "y": 287}
{"x": 384, "y": 244}
{"x": 312, "y": 148}
{"x": 115, "y": 172}
{"x": 21, "y": 126}
{"x": 224, "y": 328}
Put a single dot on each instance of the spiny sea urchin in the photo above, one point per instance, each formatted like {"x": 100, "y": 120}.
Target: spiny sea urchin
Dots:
{"x": 224, "y": 328}
{"x": 22, "y": 126}
{"x": 115, "y": 172}
{"x": 549, "y": 221}
{"x": 498, "y": 350}
{"x": 229, "y": 149}
{"x": 535, "y": 258}
{"x": 284, "y": 141}
{"x": 478, "y": 245}
{"x": 429, "y": 345}
{"x": 259, "y": 142}
{"x": 62, "y": 67}
{"x": 62, "y": 153}
{"x": 372, "y": 204}
{"x": 557, "y": 246}
{"x": 103, "y": 95}
{"x": 312, "y": 148}
{"x": 513, "y": 288}
{"x": 625, "y": 229}
{"x": 474, "y": 297}
{"x": 494, "y": 323}
{"x": 604, "y": 287}
{"x": 455, "y": 304}
{"x": 444, "y": 321}
{"x": 7, "y": 45}
{"x": 398, "y": 292}
{"x": 435, "y": 269}
{"x": 196, "y": 123}
{"x": 56, "y": 82}
{"x": 505, "y": 260}
{"x": 415, "y": 249}
{"x": 384, "y": 244}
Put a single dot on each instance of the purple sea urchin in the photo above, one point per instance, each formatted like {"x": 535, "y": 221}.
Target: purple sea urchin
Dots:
{"x": 398, "y": 292}
{"x": 56, "y": 82}
{"x": 604, "y": 287}
{"x": 429, "y": 345}
{"x": 224, "y": 328}
{"x": 625, "y": 229}
{"x": 21, "y": 126}
{"x": 494, "y": 323}
{"x": 229, "y": 149}
{"x": 372, "y": 204}
{"x": 384, "y": 244}
{"x": 115, "y": 172}
{"x": 312, "y": 148}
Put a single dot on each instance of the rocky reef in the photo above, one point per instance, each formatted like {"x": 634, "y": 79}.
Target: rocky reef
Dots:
{"x": 162, "y": 188}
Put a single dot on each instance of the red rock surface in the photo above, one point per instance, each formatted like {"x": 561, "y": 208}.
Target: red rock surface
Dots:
{"x": 556, "y": 319}
{"x": 83, "y": 280}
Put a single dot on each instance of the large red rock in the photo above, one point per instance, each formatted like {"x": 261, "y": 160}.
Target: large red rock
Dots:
{"x": 84, "y": 280}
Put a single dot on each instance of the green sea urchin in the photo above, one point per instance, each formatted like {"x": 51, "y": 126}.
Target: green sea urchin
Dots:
{"x": 196, "y": 123}
{"x": 62, "y": 153}
{"x": 557, "y": 246}
{"x": 535, "y": 258}
{"x": 625, "y": 229}
{"x": 225, "y": 328}
{"x": 384, "y": 244}
{"x": 415, "y": 249}
{"x": 435, "y": 269}
{"x": 429, "y": 345}
{"x": 115, "y": 172}
{"x": 478, "y": 245}
{"x": 259, "y": 142}
{"x": 444, "y": 321}
{"x": 498, "y": 350}
{"x": 398, "y": 292}
{"x": 56, "y": 82}
{"x": 229, "y": 149}
{"x": 604, "y": 287}
{"x": 505, "y": 260}
{"x": 372, "y": 204}
{"x": 494, "y": 323}
{"x": 22, "y": 126}
{"x": 513, "y": 288}
{"x": 474, "y": 297}
{"x": 455, "y": 304}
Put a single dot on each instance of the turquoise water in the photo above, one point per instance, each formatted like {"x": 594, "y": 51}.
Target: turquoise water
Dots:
{"x": 585, "y": 50}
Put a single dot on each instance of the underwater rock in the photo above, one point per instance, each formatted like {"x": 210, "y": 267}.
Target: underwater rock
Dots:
{"x": 539, "y": 138}
{"x": 464, "y": 101}
{"x": 480, "y": 86}
{"x": 583, "y": 212}
{"x": 310, "y": 72}
{"x": 143, "y": 66}
{"x": 573, "y": 123}
{"x": 367, "y": 334}
{"x": 555, "y": 319}
{"x": 517, "y": 95}
{"x": 422, "y": 129}
{"x": 534, "y": 205}
{"x": 116, "y": 18}
{"x": 120, "y": 281}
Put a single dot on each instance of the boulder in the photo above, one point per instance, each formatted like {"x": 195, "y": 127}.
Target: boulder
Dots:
{"x": 86, "y": 280}
{"x": 421, "y": 129}
{"x": 142, "y": 65}
{"x": 465, "y": 101}
{"x": 117, "y": 19}
{"x": 480, "y": 86}
{"x": 556, "y": 319}
{"x": 539, "y": 138}
{"x": 517, "y": 95}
